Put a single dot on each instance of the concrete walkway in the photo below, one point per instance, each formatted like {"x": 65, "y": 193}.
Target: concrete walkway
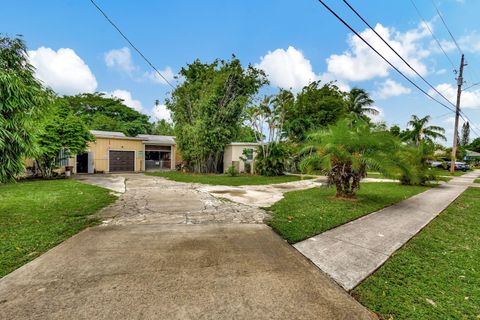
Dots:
{"x": 170, "y": 251}
{"x": 351, "y": 252}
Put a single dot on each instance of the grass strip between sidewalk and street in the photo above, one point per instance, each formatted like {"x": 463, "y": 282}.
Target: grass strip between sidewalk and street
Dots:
{"x": 306, "y": 213}
{"x": 37, "y": 215}
{"x": 436, "y": 275}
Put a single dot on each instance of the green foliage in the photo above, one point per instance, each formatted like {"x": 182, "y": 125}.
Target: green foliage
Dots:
{"x": 22, "y": 100}
{"x": 359, "y": 105}
{"x": 231, "y": 171}
{"x": 224, "y": 180}
{"x": 109, "y": 114}
{"x": 246, "y": 134}
{"x": 414, "y": 166}
{"x": 163, "y": 128}
{"x": 419, "y": 131}
{"x": 35, "y": 216}
{"x": 345, "y": 152}
{"x": 475, "y": 145}
{"x": 465, "y": 138}
{"x": 395, "y": 130}
{"x": 306, "y": 213}
{"x": 314, "y": 108}
{"x": 208, "y": 108}
{"x": 62, "y": 130}
{"x": 271, "y": 159}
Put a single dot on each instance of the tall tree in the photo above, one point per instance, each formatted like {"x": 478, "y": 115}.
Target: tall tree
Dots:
{"x": 315, "y": 107}
{"x": 208, "y": 109}
{"x": 163, "y": 128}
{"x": 465, "y": 138}
{"x": 359, "y": 104}
{"x": 22, "y": 101}
{"x": 110, "y": 114}
{"x": 61, "y": 131}
{"x": 419, "y": 130}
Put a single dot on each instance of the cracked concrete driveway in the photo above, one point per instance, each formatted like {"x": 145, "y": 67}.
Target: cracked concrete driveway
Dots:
{"x": 170, "y": 251}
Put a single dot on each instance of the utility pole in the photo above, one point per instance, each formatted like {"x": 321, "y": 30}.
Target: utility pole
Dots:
{"x": 457, "y": 115}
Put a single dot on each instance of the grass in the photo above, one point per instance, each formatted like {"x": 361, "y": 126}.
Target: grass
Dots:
{"x": 477, "y": 181}
{"x": 443, "y": 172}
{"x": 303, "y": 214}
{"x": 439, "y": 172}
{"x": 436, "y": 275}
{"x": 37, "y": 215}
{"x": 224, "y": 180}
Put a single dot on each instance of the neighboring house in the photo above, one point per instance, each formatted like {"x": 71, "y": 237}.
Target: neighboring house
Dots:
{"x": 235, "y": 151}
{"x": 472, "y": 155}
{"x": 115, "y": 152}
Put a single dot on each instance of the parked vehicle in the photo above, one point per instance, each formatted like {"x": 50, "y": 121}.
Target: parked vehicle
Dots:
{"x": 446, "y": 164}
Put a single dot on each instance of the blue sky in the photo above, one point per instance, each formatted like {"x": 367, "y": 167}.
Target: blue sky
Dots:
{"x": 76, "y": 50}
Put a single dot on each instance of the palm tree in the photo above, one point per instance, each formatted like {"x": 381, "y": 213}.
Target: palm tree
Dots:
{"x": 359, "y": 104}
{"x": 420, "y": 131}
{"x": 345, "y": 151}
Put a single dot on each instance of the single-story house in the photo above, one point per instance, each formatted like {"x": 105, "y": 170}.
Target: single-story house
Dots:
{"x": 472, "y": 155}
{"x": 115, "y": 152}
{"x": 235, "y": 151}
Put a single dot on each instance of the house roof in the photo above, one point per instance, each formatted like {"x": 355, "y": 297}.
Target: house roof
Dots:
{"x": 155, "y": 139}
{"x": 472, "y": 154}
{"x": 112, "y": 135}
{"x": 244, "y": 144}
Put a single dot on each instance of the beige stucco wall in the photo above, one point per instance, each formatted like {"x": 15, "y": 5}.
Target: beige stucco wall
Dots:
{"x": 101, "y": 146}
{"x": 233, "y": 153}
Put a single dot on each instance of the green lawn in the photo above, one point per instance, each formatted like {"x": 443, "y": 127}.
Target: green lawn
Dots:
{"x": 224, "y": 180}
{"x": 443, "y": 172}
{"x": 436, "y": 275}
{"x": 305, "y": 213}
{"x": 37, "y": 215}
{"x": 477, "y": 181}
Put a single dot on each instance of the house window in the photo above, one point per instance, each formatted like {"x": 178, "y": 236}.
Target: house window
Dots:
{"x": 62, "y": 158}
{"x": 248, "y": 153}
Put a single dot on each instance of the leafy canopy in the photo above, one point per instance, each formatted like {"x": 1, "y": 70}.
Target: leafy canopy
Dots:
{"x": 110, "y": 114}
{"x": 22, "y": 101}
{"x": 208, "y": 109}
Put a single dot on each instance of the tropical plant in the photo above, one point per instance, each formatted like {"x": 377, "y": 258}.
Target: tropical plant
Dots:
{"x": 62, "y": 133}
{"x": 315, "y": 107}
{"x": 163, "y": 128}
{"x": 208, "y": 108}
{"x": 22, "y": 102}
{"x": 272, "y": 159}
{"x": 231, "y": 171}
{"x": 414, "y": 164}
{"x": 100, "y": 112}
{"x": 418, "y": 130}
{"x": 359, "y": 104}
{"x": 345, "y": 151}
{"x": 465, "y": 138}
{"x": 475, "y": 145}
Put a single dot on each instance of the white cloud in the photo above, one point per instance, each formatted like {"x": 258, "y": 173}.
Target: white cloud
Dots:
{"x": 470, "y": 99}
{"x": 390, "y": 88}
{"x": 63, "y": 70}
{"x": 361, "y": 63}
{"x": 379, "y": 117}
{"x": 155, "y": 77}
{"x": 470, "y": 42}
{"x": 288, "y": 69}
{"x": 120, "y": 59}
{"x": 161, "y": 112}
{"x": 127, "y": 98}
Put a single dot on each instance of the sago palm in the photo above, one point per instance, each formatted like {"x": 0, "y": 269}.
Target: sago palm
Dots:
{"x": 420, "y": 131}
{"x": 345, "y": 152}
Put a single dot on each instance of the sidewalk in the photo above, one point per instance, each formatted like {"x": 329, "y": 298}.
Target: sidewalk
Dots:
{"x": 351, "y": 252}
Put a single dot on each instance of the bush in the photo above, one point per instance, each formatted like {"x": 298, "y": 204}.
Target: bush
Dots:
{"x": 272, "y": 159}
{"x": 231, "y": 171}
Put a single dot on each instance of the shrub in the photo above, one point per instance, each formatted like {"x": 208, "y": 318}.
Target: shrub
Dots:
{"x": 231, "y": 171}
{"x": 272, "y": 159}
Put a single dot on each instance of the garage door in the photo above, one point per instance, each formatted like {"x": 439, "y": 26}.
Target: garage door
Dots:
{"x": 122, "y": 161}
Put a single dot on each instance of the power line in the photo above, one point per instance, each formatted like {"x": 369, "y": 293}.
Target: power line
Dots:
{"x": 384, "y": 41}
{"x": 433, "y": 35}
{"x": 473, "y": 85}
{"x": 446, "y": 27}
{"x": 131, "y": 44}
{"x": 378, "y": 53}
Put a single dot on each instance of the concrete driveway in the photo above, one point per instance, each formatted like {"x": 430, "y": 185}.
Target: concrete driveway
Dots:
{"x": 169, "y": 251}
